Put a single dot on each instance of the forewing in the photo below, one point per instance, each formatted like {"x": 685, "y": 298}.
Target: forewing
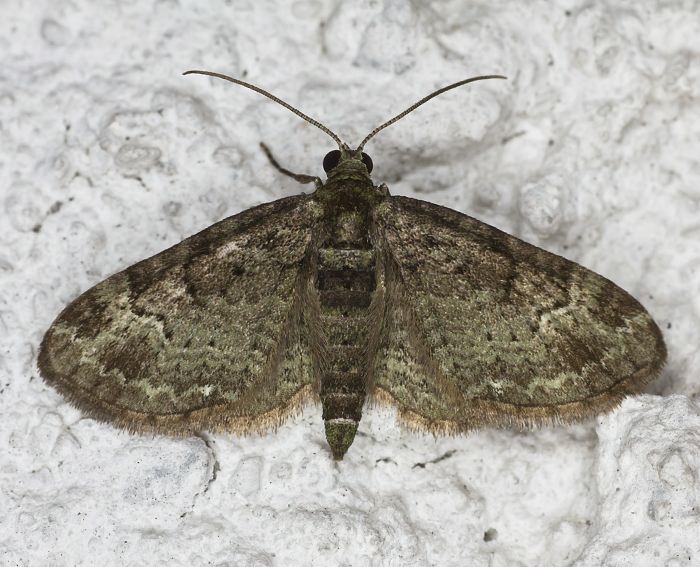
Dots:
{"x": 207, "y": 334}
{"x": 482, "y": 328}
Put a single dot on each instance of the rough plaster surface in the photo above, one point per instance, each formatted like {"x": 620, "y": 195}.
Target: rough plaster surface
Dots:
{"x": 108, "y": 155}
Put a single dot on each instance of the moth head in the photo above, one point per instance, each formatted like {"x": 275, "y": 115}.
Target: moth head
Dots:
{"x": 345, "y": 155}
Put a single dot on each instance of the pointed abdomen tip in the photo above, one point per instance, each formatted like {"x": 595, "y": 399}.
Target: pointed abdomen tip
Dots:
{"x": 340, "y": 434}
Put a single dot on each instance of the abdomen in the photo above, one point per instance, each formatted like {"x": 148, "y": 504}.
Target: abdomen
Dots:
{"x": 345, "y": 281}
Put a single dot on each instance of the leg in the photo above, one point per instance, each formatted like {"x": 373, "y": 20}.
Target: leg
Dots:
{"x": 299, "y": 177}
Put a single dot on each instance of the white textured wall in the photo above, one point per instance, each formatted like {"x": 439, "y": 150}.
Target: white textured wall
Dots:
{"x": 108, "y": 155}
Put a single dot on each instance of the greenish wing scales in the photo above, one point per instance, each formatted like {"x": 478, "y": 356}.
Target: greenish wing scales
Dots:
{"x": 485, "y": 329}
{"x": 206, "y": 334}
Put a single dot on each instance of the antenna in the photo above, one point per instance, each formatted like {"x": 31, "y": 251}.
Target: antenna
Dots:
{"x": 272, "y": 97}
{"x": 423, "y": 101}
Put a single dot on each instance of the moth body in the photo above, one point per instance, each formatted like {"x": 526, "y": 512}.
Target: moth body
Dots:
{"x": 345, "y": 283}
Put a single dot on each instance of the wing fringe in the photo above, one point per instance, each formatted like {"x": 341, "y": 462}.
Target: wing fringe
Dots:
{"x": 485, "y": 413}
{"x": 215, "y": 419}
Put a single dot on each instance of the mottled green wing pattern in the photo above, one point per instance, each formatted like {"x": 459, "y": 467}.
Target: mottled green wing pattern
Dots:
{"x": 207, "y": 334}
{"x": 482, "y": 328}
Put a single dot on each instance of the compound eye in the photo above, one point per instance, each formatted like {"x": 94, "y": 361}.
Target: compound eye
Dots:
{"x": 331, "y": 160}
{"x": 368, "y": 162}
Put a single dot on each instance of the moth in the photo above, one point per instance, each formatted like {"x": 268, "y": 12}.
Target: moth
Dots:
{"x": 345, "y": 295}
